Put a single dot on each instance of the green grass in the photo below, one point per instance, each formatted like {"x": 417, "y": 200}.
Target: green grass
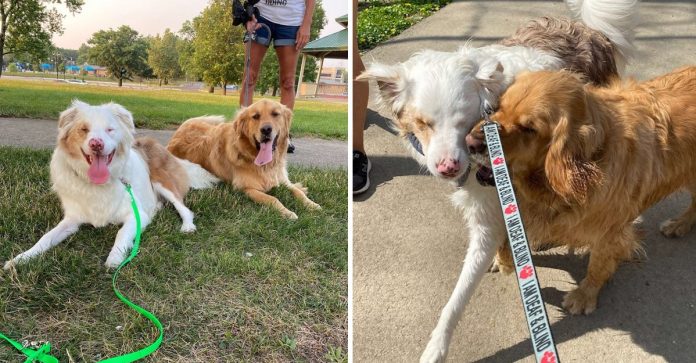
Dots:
{"x": 380, "y": 20}
{"x": 158, "y": 108}
{"x": 286, "y": 302}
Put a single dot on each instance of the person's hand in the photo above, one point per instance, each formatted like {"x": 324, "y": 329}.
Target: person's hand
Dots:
{"x": 302, "y": 36}
{"x": 252, "y": 24}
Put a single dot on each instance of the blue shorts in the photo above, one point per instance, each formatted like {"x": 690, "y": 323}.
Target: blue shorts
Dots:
{"x": 281, "y": 35}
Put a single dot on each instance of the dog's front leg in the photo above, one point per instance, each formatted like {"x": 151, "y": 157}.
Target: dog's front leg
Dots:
{"x": 263, "y": 198}
{"x": 124, "y": 242}
{"x": 63, "y": 230}
{"x": 299, "y": 192}
{"x": 483, "y": 244}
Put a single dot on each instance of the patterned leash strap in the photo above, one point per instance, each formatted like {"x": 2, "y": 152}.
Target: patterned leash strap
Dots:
{"x": 42, "y": 353}
{"x": 535, "y": 312}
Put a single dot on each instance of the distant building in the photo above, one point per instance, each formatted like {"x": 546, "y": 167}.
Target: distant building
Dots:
{"x": 332, "y": 75}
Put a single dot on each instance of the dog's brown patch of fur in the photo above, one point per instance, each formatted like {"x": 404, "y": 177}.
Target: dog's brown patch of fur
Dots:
{"x": 603, "y": 156}
{"x": 164, "y": 168}
{"x": 582, "y": 49}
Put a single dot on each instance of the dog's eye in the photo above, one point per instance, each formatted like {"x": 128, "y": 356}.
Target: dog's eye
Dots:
{"x": 275, "y": 114}
{"x": 110, "y": 129}
{"x": 256, "y": 116}
{"x": 526, "y": 129}
{"x": 84, "y": 129}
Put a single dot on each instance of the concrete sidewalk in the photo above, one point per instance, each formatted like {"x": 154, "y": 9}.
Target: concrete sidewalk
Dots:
{"x": 408, "y": 239}
{"x": 42, "y": 134}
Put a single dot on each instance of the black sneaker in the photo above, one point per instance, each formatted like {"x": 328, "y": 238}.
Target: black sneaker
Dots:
{"x": 291, "y": 147}
{"x": 361, "y": 172}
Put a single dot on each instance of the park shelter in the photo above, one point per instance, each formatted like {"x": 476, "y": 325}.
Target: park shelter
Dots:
{"x": 331, "y": 46}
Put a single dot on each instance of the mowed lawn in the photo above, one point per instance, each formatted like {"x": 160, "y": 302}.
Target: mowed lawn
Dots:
{"x": 158, "y": 108}
{"x": 247, "y": 286}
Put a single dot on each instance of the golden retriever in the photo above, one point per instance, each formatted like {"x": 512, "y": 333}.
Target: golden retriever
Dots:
{"x": 248, "y": 152}
{"x": 587, "y": 161}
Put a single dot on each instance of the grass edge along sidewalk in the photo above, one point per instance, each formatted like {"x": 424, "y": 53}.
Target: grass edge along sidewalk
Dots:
{"x": 249, "y": 285}
{"x": 155, "y": 108}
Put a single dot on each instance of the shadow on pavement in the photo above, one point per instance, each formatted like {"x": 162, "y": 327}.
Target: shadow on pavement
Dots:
{"x": 385, "y": 168}
{"x": 652, "y": 299}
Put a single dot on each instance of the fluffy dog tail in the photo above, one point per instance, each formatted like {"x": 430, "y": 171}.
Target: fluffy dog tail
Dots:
{"x": 213, "y": 120}
{"x": 614, "y": 18}
{"x": 199, "y": 178}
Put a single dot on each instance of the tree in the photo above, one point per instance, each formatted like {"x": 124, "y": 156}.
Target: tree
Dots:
{"x": 270, "y": 69}
{"x": 122, "y": 51}
{"x": 83, "y": 54}
{"x": 185, "y": 49}
{"x": 26, "y": 26}
{"x": 218, "y": 53}
{"x": 163, "y": 56}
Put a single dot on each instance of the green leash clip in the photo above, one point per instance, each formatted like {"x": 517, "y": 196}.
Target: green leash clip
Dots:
{"x": 42, "y": 354}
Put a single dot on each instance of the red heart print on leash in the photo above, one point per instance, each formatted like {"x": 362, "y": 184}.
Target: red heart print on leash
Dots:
{"x": 526, "y": 272}
{"x": 511, "y": 208}
{"x": 498, "y": 161}
{"x": 548, "y": 357}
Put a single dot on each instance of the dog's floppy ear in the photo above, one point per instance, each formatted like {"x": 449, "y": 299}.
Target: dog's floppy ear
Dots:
{"x": 490, "y": 75}
{"x": 392, "y": 84}
{"x": 287, "y": 117}
{"x": 123, "y": 115}
{"x": 69, "y": 116}
{"x": 569, "y": 167}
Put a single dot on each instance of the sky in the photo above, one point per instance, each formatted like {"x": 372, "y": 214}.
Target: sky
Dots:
{"x": 150, "y": 17}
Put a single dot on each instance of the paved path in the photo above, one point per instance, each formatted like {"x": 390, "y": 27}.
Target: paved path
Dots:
{"x": 42, "y": 134}
{"x": 409, "y": 246}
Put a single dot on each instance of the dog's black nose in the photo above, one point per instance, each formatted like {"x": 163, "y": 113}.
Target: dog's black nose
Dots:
{"x": 266, "y": 129}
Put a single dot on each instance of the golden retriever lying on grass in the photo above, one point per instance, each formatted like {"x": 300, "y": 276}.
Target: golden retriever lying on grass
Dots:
{"x": 248, "y": 152}
{"x": 587, "y": 161}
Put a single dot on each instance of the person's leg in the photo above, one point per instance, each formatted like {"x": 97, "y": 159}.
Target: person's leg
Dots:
{"x": 361, "y": 164}
{"x": 258, "y": 51}
{"x": 287, "y": 59}
{"x": 360, "y": 95}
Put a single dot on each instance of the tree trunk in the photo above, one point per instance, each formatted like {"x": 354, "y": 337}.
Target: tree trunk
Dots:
{"x": 224, "y": 88}
{"x": 275, "y": 91}
{"x": 211, "y": 89}
{"x": 2, "y": 45}
{"x": 160, "y": 82}
{"x": 166, "y": 81}
{"x": 120, "y": 82}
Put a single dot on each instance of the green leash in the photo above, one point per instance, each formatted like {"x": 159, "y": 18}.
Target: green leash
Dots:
{"x": 42, "y": 354}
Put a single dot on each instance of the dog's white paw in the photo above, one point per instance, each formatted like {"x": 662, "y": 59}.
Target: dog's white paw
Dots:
{"x": 435, "y": 351}
{"x": 675, "y": 228}
{"x": 9, "y": 264}
{"x": 113, "y": 262}
{"x": 290, "y": 215}
{"x": 312, "y": 205}
{"x": 188, "y": 228}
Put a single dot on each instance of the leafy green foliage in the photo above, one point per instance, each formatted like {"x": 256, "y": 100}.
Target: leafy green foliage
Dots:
{"x": 383, "y": 20}
{"x": 218, "y": 55}
{"x": 163, "y": 56}
{"x": 184, "y": 47}
{"x": 26, "y": 26}
{"x": 122, "y": 51}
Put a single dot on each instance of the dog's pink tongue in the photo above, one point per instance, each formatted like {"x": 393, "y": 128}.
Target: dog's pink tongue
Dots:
{"x": 265, "y": 154}
{"x": 98, "y": 171}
